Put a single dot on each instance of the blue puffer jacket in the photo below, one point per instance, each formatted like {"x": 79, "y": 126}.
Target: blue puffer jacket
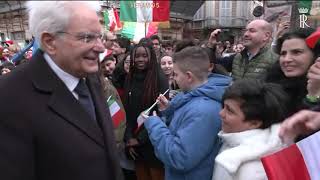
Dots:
{"x": 189, "y": 145}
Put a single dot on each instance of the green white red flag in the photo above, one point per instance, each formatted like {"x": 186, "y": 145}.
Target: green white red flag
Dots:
{"x": 106, "y": 52}
{"x": 299, "y": 161}
{"x": 112, "y": 20}
{"x": 145, "y": 11}
{"x": 116, "y": 113}
{"x": 137, "y": 30}
{"x": 313, "y": 39}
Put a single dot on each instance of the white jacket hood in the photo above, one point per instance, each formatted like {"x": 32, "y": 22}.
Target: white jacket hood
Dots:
{"x": 247, "y": 146}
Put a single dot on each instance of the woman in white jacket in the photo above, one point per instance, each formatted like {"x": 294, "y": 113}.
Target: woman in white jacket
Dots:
{"x": 252, "y": 111}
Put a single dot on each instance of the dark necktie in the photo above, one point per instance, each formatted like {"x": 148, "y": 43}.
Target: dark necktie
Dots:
{"x": 85, "y": 98}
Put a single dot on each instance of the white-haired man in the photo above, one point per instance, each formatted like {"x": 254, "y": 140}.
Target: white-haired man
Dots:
{"x": 54, "y": 122}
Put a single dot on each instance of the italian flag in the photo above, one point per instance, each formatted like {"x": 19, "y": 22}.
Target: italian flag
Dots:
{"x": 116, "y": 113}
{"x": 135, "y": 30}
{"x": 300, "y": 161}
{"x": 313, "y": 39}
{"x": 145, "y": 11}
{"x": 104, "y": 54}
{"x": 112, "y": 20}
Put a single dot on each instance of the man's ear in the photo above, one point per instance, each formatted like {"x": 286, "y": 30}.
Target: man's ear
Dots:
{"x": 268, "y": 36}
{"x": 190, "y": 76}
{"x": 48, "y": 43}
{"x": 256, "y": 124}
{"x": 211, "y": 67}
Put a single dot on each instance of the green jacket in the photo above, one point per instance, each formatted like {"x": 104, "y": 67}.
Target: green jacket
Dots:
{"x": 110, "y": 90}
{"x": 242, "y": 68}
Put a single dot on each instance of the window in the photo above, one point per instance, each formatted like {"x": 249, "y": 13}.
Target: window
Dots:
{"x": 166, "y": 38}
{"x": 225, "y": 13}
{"x": 210, "y": 9}
{"x": 18, "y": 35}
{"x": 2, "y": 38}
{"x": 197, "y": 24}
{"x": 199, "y": 14}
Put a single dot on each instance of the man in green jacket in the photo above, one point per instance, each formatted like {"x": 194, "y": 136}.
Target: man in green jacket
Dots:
{"x": 257, "y": 56}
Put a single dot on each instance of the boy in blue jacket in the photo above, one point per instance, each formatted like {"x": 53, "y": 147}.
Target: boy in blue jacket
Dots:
{"x": 189, "y": 144}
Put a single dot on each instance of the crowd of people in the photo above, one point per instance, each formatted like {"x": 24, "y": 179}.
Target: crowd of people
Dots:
{"x": 93, "y": 105}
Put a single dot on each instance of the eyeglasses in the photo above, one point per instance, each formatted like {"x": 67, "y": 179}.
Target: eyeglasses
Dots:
{"x": 110, "y": 40}
{"x": 85, "y": 37}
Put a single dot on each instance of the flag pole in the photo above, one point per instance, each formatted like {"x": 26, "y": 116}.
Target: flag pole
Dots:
{"x": 145, "y": 29}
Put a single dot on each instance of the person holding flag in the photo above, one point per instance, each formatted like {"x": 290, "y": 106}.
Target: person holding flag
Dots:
{"x": 118, "y": 114}
{"x": 144, "y": 82}
{"x": 300, "y": 160}
{"x": 251, "y": 117}
{"x": 185, "y": 136}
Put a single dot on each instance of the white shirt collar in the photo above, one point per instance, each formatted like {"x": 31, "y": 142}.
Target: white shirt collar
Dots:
{"x": 70, "y": 81}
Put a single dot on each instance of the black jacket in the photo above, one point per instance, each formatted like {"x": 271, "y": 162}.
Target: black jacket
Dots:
{"x": 133, "y": 106}
{"x": 296, "y": 87}
{"x": 45, "y": 133}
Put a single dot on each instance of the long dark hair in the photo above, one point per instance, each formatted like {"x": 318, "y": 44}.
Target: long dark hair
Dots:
{"x": 299, "y": 33}
{"x": 151, "y": 81}
{"x": 119, "y": 74}
{"x": 294, "y": 86}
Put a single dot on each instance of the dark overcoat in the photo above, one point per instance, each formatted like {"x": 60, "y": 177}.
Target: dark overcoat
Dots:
{"x": 45, "y": 133}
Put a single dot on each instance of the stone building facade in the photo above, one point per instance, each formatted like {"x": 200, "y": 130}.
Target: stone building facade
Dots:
{"x": 14, "y": 22}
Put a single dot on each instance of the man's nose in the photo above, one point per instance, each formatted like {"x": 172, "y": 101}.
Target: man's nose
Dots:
{"x": 99, "y": 47}
{"x": 245, "y": 33}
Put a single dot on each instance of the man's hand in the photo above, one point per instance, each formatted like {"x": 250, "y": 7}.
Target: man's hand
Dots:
{"x": 145, "y": 116}
{"x": 132, "y": 142}
{"x": 162, "y": 102}
{"x": 302, "y": 123}
{"x": 213, "y": 38}
{"x": 283, "y": 26}
{"x": 173, "y": 93}
{"x": 133, "y": 153}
